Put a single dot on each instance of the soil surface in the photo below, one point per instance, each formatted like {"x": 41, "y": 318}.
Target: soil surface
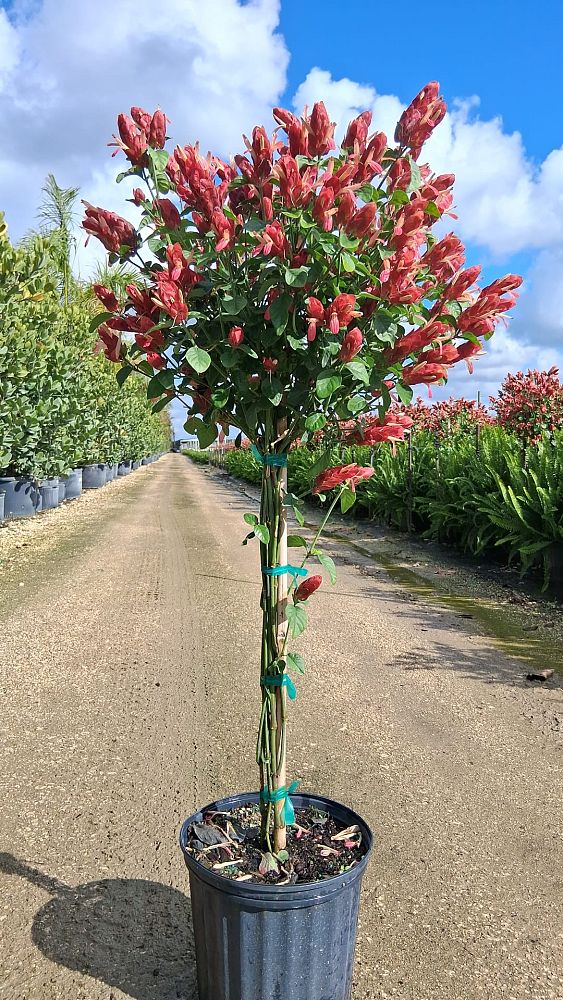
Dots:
{"x": 128, "y": 674}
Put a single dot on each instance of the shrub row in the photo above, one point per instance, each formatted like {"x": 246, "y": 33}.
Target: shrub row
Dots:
{"x": 491, "y": 496}
{"x": 60, "y": 405}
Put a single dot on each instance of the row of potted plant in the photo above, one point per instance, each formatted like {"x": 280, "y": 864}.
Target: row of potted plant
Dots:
{"x": 22, "y": 496}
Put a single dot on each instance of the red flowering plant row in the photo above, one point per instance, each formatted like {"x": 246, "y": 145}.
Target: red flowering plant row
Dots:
{"x": 530, "y": 405}
{"x": 295, "y": 287}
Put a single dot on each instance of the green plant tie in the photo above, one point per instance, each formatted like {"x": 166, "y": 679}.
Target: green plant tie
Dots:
{"x": 280, "y": 794}
{"x": 279, "y": 460}
{"x": 280, "y": 680}
{"x": 280, "y": 570}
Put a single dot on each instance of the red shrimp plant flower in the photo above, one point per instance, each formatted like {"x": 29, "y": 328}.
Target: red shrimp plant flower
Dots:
{"x": 292, "y": 289}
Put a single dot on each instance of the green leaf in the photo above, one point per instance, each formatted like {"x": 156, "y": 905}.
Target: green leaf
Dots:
{"x": 272, "y": 389}
{"x": 432, "y": 209}
{"x": 233, "y": 304}
{"x": 348, "y": 242}
{"x": 348, "y": 263}
{"x": 399, "y": 197}
{"x": 356, "y": 404}
{"x": 368, "y": 193}
{"x": 123, "y": 373}
{"x": 347, "y": 499}
{"x": 327, "y": 383}
{"x": 198, "y": 359}
{"x": 404, "y": 392}
{"x": 250, "y": 519}
{"x": 327, "y": 563}
{"x": 158, "y": 157}
{"x": 155, "y": 386}
{"x": 262, "y": 532}
{"x": 279, "y": 312}
{"x": 295, "y": 662}
{"x": 296, "y": 277}
{"x": 98, "y": 320}
{"x": 295, "y": 541}
{"x": 416, "y": 177}
{"x": 206, "y": 434}
{"x": 359, "y": 371}
{"x": 296, "y": 619}
{"x": 315, "y": 422}
{"x": 160, "y": 405}
{"x": 220, "y": 397}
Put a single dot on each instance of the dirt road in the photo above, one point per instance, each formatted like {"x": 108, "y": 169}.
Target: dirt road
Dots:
{"x": 128, "y": 676}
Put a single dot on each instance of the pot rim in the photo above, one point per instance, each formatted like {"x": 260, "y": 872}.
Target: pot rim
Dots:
{"x": 313, "y": 891}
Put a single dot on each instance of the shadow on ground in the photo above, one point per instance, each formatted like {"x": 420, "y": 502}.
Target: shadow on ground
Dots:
{"x": 131, "y": 934}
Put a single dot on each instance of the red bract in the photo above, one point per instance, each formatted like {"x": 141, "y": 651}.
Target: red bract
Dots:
{"x": 272, "y": 241}
{"x": 530, "y": 404}
{"x": 357, "y": 132}
{"x": 341, "y": 312}
{"x": 351, "y": 344}
{"x": 155, "y": 360}
{"x": 424, "y": 374}
{"x": 112, "y": 230}
{"x": 419, "y": 120}
{"x": 168, "y": 296}
{"x": 362, "y": 221}
{"x": 106, "y": 297}
{"x": 339, "y": 474}
{"x": 236, "y": 336}
{"x": 306, "y": 588}
{"x": 168, "y": 213}
{"x": 270, "y": 364}
{"x": 109, "y": 342}
{"x": 321, "y": 131}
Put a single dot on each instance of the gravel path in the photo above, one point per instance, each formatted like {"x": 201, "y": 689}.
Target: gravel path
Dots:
{"x": 129, "y": 648}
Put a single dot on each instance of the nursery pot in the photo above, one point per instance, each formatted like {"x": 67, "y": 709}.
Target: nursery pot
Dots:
{"x": 62, "y": 490}
{"x": 22, "y": 496}
{"x": 73, "y": 484}
{"x": 275, "y": 942}
{"x": 49, "y": 495}
{"x": 109, "y": 473}
{"x": 2, "y": 495}
{"x": 145, "y": 461}
{"x": 135, "y": 466}
{"x": 93, "y": 476}
{"x": 124, "y": 468}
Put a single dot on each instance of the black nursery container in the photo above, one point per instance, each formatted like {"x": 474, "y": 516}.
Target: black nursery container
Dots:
{"x": 93, "y": 476}
{"x": 2, "y": 495}
{"x": 22, "y": 497}
{"x": 73, "y": 484}
{"x": 271, "y": 942}
{"x": 124, "y": 468}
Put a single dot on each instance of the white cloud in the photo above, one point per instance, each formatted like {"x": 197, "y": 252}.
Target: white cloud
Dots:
{"x": 68, "y": 69}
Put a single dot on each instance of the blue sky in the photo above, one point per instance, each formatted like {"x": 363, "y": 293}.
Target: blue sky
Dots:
{"x": 217, "y": 66}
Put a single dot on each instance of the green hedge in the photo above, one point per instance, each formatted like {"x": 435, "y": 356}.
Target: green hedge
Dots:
{"x": 491, "y": 498}
{"x": 60, "y": 405}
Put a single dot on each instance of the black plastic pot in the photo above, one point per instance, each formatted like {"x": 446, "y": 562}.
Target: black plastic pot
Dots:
{"x": 135, "y": 466}
{"x": 272, "y": 942}
{"x": 62, "y": 490}
{"x": 93, "y": 476}
{"x": 124, "y": 468}
{"x": 73, "y": 484}
{"x": 2, "y": 495}
{"x": 109, "y": 473}
{"x": 22, "y": 496}
{"x": 49, "y": 496}
{"x": 145, "y": 461}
